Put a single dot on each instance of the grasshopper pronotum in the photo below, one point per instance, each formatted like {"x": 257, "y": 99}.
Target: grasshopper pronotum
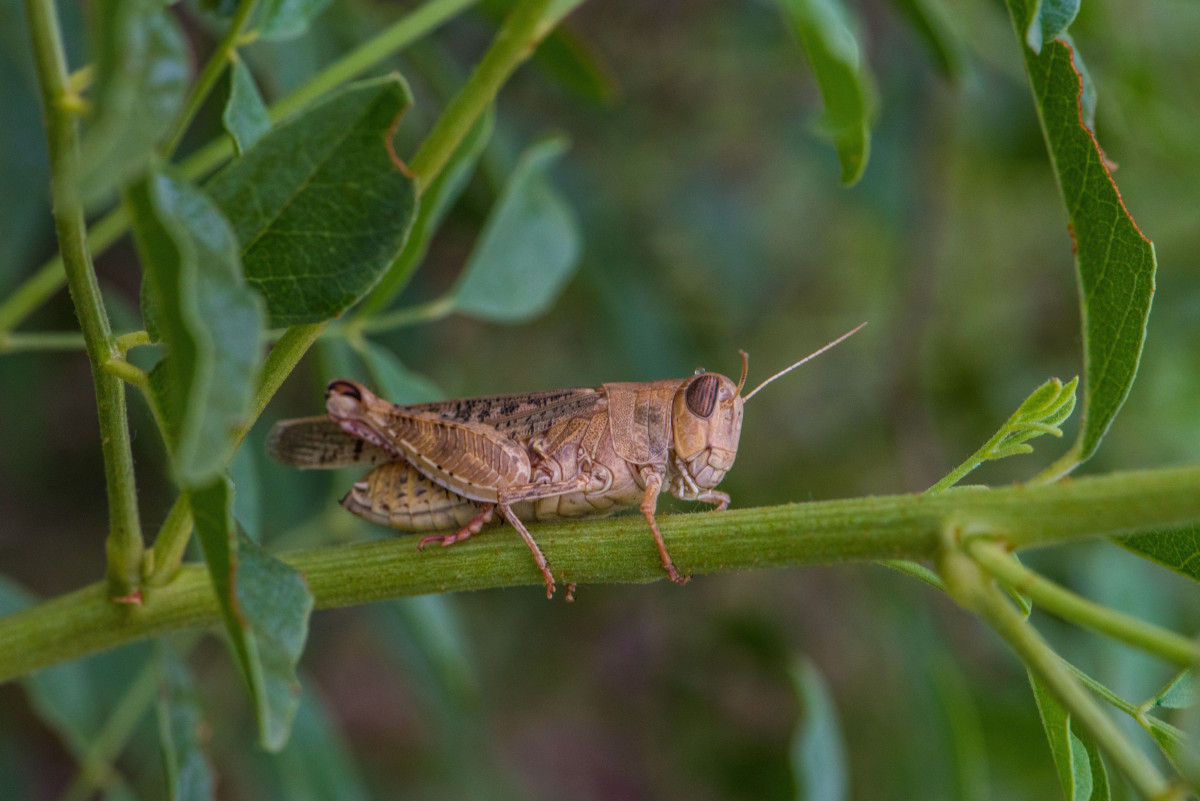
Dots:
{"x": 538, "y": 456}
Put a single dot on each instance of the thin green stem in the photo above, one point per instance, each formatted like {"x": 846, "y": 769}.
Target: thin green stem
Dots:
{"x": 518, "y": 37}
{"x": 1065, "y": 604}
{"x": 42, "y": 285}
{"x": 96, "y": 766}
{"x": 621, "y": 550}
{"x": 986, "y": 599}
{"x": 225, "y": 52}
{"x": 134, "y": 376}
{"x": 163, "y": 561}
{"x": 133, "y": 339}
{"x": 124, "y": 544}
{"x": 42, "y": 341}
{"x": 413, "y": 315}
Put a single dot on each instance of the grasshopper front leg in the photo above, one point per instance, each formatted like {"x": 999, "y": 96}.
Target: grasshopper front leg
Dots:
{"x": 649, "y": 506}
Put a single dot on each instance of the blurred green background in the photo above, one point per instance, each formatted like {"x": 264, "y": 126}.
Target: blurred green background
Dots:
{"x": 711, "y": 219}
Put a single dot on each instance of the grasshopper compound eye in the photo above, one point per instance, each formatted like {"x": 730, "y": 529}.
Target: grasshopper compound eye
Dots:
{"x": 345, "y": 388}
{"x": 701, "y": 395}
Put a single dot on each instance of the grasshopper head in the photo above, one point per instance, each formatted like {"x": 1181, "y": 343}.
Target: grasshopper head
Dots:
{"x": 706, "y": 423}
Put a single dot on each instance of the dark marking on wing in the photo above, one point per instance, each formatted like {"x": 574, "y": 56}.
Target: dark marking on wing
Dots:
{"x": 517, "y": 416}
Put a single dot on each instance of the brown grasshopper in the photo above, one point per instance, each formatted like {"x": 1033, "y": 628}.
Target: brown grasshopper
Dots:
{"x": 537, "y": 456}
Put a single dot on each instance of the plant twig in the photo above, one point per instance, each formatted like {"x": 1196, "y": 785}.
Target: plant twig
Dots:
{"x": 225, "y": 52}
{"x": 621, "y": 550}
{"x": 124, "y": 544}
{"x": 977, "y": 592}
{"x": 1065, "y": 604}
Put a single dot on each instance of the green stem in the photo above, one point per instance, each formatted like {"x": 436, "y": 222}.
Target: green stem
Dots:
{"x": 134, "y": 376}
{"x": 124, "y": 544}
{"x": 96, "y": 766}
{"x": 42, "y": 285}
{"x": 413, "y": 315}
{"x": 518, "y": 37}
{"x": 170, "y": 544}
{"x": 42, "y": 341}
{"x": 986, "y": 599}
{"x": 225, "y": 52}
{"x": 1065, "y": 604}
{"x": 621, "y": 550}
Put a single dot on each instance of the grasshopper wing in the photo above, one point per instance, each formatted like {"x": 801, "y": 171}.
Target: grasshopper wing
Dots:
{"x": 318, "y": 443}
{"x": 517, "y": 416}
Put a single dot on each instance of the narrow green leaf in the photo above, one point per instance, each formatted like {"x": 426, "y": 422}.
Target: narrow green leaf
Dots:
{"x": 142, "y": 76}
{"x": 1178, "y": 549}
{"x": 1114, "y": 260}
{"x": 577, "y": 66}
{"x": 1048, "y": 20}
{"x": 827, "y": 36}
{"x": 393, "y": 380}
{"x": 247, "y": 501}
{"x": 189, "y": 775}
{"x": 931, "y": 22}
{"x": 1081, "y": 771}
{"x": 437, "y": 199}
{"x": 265, "y": 610}
{"x": 245, "y": 116}
{"x": 818, "y": 751}
{"x": 286, "y": 19}
{"x": 197, "y": 301}
{"x": 316, "y": 764}
{"x": 1182, "y": 692}
{"x": 528, "y": 249}
{"x": 318, "y": 204}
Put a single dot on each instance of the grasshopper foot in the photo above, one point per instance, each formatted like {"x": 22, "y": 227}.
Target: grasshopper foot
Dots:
{"x": 474, "y": 527}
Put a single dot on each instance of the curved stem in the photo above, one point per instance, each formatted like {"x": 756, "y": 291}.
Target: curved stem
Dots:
{"x": 518, "y": 37}
{"x": 413, "y": 315}
{"x": 124, "y": 544}
{"x": 217, "y": 62}
{"x": 989, "y": 602}
{"x": 621, "y": 550}
{"x": 1065, "y": 604}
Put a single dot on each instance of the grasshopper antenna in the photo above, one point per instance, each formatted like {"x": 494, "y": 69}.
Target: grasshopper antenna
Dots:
{"x": 787, "y": 370}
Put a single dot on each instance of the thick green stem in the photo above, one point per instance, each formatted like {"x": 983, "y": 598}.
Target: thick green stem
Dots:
{"x": 518, "y": 37}
{"x": 621, "y": 550}
{"x": 1065, "y": 604}
{"x": 986, "y": 599}
{"x": 124, "y": 544}
{"x": 42, "y": 285}
{"x": 42, "y": 341}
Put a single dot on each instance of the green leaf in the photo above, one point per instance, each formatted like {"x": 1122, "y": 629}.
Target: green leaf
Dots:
{"x": 818, "y": 752}
{"x": 931, "y": 22}
{"x": 1048, "y": 19}
{"x": 245, "y": 116}
{"x": 1182, "y": 692}
{"x": 247, "y": 501}
{"x": 528, "y": 249}
{"x": 1046, "y": 408}
{"x": 1081, "y": 771}
{"x": 316, "y": 764}
{"x": 1178, "y": 549}
{"x": 142, "y": 76}
{"x": 826, "y": 33}
{"x": 437, "y": 199}
{"x": 189, "y": 775}
{"x": 577, "y": 66}
{"x": 265, "y": 605}
{"x": 393, "y": 380}
{"x": 1114, "y": 260}
{"x": 318, "y": 204}
{"x": 286, "y": 19}
{"x": 211, "y": 324}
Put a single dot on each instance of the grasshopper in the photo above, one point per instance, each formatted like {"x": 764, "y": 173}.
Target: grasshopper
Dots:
{"x": 581, "y": 452}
